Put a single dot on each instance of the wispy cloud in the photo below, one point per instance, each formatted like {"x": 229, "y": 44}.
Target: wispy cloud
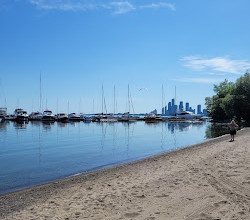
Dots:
{"x": 159, "y": 5}
{"x": 217, "y": 64}
{"x": 200, "y": 80}
{"x": 64, "y": 5}
{"x": 117, "y": 7}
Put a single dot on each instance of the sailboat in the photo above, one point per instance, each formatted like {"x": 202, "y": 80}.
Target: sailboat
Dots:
{"x": 126, "y": 117}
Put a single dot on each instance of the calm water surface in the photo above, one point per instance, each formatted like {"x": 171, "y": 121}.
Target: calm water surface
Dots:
{"x": 37, "y": 152}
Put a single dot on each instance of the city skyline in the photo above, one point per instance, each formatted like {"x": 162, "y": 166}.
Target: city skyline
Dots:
{"x": 79, "y": 45}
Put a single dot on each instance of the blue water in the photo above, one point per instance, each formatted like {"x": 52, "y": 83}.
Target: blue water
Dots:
{"x": 36, "y": 152}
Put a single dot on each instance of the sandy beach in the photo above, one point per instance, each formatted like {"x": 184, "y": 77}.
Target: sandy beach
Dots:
{"x": 210, "y": 180}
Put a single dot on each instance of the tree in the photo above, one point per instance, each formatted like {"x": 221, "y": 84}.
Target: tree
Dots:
{"x": 232, "y": 100}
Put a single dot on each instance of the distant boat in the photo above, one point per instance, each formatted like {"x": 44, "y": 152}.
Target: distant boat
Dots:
{"x": 62, "y": 117}
{"x": 48, "y": 116}
{"x": 128, "y": 117}
{"x": 20, "y": 115}
{"x": 3, "y": 112}
{"x": 9, "y": 117}
{"x": 188, "y": 115}
{"x": 152, "y": 118}
{"x": 108, "y": 118}
{"x": 74, "y": 117}
{"x": 35, "y": 116}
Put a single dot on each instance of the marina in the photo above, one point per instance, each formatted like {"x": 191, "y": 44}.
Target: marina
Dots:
{"x": 47, "y": 115}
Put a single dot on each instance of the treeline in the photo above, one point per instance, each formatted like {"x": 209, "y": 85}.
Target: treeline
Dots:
{"x": 231, "y": 101}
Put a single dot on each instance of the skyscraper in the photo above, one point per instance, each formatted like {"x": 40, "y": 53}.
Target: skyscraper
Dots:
{"x": 187, "y": 106}
{"x": 169, "y": 109}
{"x": 181, "y": 105}
{"x": 173, "y": 102}
{"x": 199, "y": 109}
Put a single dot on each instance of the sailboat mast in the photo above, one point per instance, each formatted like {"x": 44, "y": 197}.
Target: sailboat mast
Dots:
{"x": 40, "y": 92}
{"x": 128, "y": 100}
{"x": 162, "y": 109}
{"x": 175, "y": 95}
{"x": 114, "y": 99}
{"x": 102, "y": 98}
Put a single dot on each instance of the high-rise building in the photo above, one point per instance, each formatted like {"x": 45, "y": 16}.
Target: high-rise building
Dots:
{"x": 204, "y": 112}
{"x": 187, "y": 106}
{"x": 169, "y": 109}
{"x": 175, "y": 107}
{"x": 173, "y": 102}
{"x": 199, "y": 109}
{"x": 181, "y": 105}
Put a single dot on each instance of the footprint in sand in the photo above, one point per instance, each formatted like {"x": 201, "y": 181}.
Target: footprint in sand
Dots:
{"x": 131, "y": 215}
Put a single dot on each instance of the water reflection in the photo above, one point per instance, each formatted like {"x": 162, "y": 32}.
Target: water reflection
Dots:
{"x": 3, "y": 126}
{"x": 46, "y": 151}
{"x": 215, "y": 130}
{"x": 47, "y": 125}
{"x": 20, "y": 124}
{"x": 62, "y": 124}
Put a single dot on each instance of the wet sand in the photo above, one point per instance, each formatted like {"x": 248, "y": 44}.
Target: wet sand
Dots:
{"x": 210, "y": 180}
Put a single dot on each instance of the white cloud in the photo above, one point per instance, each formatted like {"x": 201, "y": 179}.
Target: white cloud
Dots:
{"x": 64, "y": 5}
{"x": 217, "y": 64}
{"x": 159, "y": 5}
{"x": 117, "y": 7}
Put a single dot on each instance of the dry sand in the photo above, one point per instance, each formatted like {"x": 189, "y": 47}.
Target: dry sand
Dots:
{"x": 210, "y": 180}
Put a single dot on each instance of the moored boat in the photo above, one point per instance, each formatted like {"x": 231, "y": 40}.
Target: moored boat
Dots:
{"x": 20, "y": 115}
{"x": 9, "y": 117}
{"x": 3, "y": 112}
{"x": 188, "y": 115}
{"x": 152, "y": 118}
{"x": 74, "y": 117}
{"x": 48, "y": 116}
{"x": 62, "y": 117}
{"x": 35, "y": 116}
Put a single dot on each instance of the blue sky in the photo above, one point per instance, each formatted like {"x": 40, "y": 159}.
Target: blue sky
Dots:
{"x": 78, "y": 45}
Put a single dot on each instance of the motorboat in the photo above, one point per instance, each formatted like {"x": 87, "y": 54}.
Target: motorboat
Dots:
{"x": 9, "y": 117}
{"x": 85, "y": 118}
{"x": 48, "y": 116}
{"x": 62, "y": 117}
{"x": 152, "y": 118}
{"x": 20, "y": 115}
{"x": 108, "y": 118}
{"x": 127, "y": 117}
{"x": 3, "y": 112}
{"x": 188, "y": 115}
{"x": 74, "y": 117}
{"x": 35, "y": 116}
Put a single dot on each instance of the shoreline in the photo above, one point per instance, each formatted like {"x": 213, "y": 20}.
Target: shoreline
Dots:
{"x": 19, "y": 204}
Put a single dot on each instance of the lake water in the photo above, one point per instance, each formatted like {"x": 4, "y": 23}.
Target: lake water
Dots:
{"x": 37, "y": 152}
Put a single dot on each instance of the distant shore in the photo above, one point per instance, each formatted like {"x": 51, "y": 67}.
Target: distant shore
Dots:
{"x": 209, "y": 180}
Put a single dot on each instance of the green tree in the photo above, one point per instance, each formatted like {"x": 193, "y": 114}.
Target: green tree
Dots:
{"x": 214, "y": 105}
{"x": 232, "y": 100}
{"x": 242, "y": 98}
